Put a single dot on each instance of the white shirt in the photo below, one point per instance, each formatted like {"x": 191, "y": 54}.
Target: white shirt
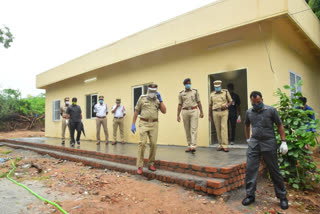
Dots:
{"x": 120, "y": 111}
{"x": 100, "y": 109}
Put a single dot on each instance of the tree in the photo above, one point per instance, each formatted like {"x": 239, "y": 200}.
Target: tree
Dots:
{"x": 297, "y": 166}
{"x": 15, "y": 110}
{"x": 315, "y": 6}
{"x": 6, "y": 37}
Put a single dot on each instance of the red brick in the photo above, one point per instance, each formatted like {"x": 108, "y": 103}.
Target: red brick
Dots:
{"x": 164, "y": 179}
{"x": 171, "y": 169}
{"x": 219, "y": 191}
{"x": 218, "y": 175}
{"x": 186, "y": 183}
{"x": 163, "y": 167}
{"x": 243, "y": 166}
{"x": 201, "y": 174}
{"x": 226, "y": 182}
{"x": 191, "y": 184}
{"x": 197, "y": 187}
{"x": 164, "y": 163}
{"x": 197, "y": 168}
{"x": 183, "y": 165}
{"x": 226, "y": 170}
{"x": 179, "y": 170}
{"x": 228, "y": 188}
{"x": 210, "y": 175}
{"x": 211, "y": 169}
{"x": 214, "y": 184}
{"x": 209, "y": 191}
{"x": 173, "y": 164}
{"x": 203, "y": 189}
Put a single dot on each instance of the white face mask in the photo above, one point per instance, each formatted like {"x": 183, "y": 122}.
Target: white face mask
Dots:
{"x": 152, "y": 95}
{"x": 67, "y": 102}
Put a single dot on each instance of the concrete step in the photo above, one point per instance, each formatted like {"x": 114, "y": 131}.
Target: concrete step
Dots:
{"x": 212, "y": 186}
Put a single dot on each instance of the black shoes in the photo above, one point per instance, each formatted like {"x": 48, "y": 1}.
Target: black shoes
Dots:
{"x": 284, "y": 203}
{"x": 248, "y": 200}
{"x": 72, "y": 144}
{"x": 78, "y": 142}
{"x": 62, "y": 142}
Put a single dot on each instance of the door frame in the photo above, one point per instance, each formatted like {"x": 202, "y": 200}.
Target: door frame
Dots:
{"x": 208, "y": 97}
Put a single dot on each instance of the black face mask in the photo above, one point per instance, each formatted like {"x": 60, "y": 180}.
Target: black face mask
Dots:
{"x": 257, "y": 107}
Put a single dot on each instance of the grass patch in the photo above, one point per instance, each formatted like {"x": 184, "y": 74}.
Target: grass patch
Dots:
{"x": 6, "y": 152}
{"x": 17, "y": 159}
{"x": 3, "y": 175}
{"x": 40, "y": 178}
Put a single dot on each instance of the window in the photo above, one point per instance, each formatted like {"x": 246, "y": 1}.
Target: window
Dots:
{"x": 91, "y": 100}
{"x": 56, "y": 110}
{"x": 137, "y": 91}
{"x": 294, "y": 79}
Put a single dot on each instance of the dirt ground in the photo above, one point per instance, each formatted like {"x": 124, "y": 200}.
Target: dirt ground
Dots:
{"x": 82, "y": 189}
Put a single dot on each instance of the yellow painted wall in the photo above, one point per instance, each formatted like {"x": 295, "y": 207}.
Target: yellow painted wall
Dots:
{"x": 196, "y": 59}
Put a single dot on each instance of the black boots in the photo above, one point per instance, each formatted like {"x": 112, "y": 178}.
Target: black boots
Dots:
{"x": 248, "y": 200}
{"x": 284, "y": 203}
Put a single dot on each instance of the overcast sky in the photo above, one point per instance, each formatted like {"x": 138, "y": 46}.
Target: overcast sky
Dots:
{"x": 50, "y": 33}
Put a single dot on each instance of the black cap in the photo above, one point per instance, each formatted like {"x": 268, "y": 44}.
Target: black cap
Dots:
{"x": 74, "y": 99}
{"x": 186, "y": 80}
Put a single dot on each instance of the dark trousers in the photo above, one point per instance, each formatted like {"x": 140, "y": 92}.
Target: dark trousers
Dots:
{"x": 232, "y": 123}
{"x": 271, "y": 160}
{"x": 75, "y": 126}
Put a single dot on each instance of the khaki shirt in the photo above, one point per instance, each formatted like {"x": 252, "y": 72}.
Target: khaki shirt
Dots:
{"x": 217, "y": 100}
{"x": 63, "y": 111}
{"x": 189, "y": 98}
{"x": 147, "y": 107}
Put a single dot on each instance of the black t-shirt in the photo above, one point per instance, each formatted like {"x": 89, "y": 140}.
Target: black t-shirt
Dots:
{"x": 75, "y": 113}
{"x": 235, "y": 102}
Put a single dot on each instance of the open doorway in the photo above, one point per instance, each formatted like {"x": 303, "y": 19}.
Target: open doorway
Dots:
{"x": 239, "y": 79}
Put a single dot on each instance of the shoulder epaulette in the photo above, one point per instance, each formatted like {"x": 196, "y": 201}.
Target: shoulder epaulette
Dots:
{"x": 181, "y": 91}
{"x": 195, "y": 89}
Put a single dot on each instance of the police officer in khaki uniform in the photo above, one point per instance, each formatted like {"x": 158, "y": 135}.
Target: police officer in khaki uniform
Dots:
{"x": 148, "y": 105}
{"x": 119, "y": 113}
{"x": 65, "y": 121}
{"x": 220, "y": 100}
{"x": 189, "y": 102}
{"x": 101, "y": 111}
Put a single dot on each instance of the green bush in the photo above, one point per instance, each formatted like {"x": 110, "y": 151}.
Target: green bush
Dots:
{"x": 297, "y": 165}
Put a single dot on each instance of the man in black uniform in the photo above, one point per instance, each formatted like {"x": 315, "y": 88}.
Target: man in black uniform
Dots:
{"x": 234, "y": 113}
{"x": 263, "y": 143}
{"x": 75, "y": 117}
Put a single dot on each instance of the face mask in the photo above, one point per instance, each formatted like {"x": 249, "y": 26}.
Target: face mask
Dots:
{"x": 257, "y": 107}
{"x": 100, "y": 101}
{"x": 188, "y": 86}
{"x": 218, "y": 89}
{"x": 74, "y": 103}
{"x": 118, "y": 103}
{"x": 67, "y": 102}
{"x": 152, "y": 95}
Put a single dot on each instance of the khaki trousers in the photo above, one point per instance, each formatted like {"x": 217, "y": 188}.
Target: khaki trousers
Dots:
{"x": 190, "y": 121}
{"x": 147, "y": 130}
{"x": 63, "y": 131}
{"x": 118, "y": 122}
{"x": 103, "y": 122}
{"x": 220, "y": 119}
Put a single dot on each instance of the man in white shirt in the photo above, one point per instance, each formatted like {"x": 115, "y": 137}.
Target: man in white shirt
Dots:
{"x": 119, "y": 113}
{"x": 101, "y": 111}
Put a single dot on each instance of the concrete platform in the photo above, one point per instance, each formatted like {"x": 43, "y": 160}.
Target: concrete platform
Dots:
{"x": 207, "y": 170}
{"x": 203, "y": 156}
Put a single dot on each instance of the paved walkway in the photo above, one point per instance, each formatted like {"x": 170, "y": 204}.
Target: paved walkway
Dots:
{"x": 203, "y": 156}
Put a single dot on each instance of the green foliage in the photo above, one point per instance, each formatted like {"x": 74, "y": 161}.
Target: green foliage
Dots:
{"x": 297, "y": 165}
{"x": 6, "y": 37}
{"x": 12, "y": 105}
{"x": 315, "y": 6}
